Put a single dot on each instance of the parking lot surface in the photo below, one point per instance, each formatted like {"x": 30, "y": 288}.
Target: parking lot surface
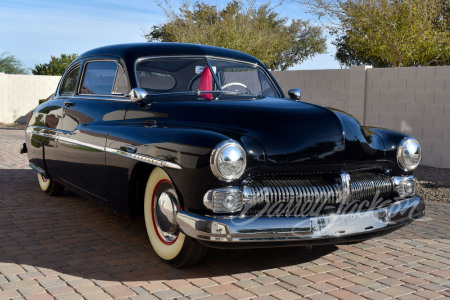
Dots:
{"x": 69, "y": 247}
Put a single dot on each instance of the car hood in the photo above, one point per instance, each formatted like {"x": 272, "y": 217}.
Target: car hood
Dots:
{"x": 290, "y": 132}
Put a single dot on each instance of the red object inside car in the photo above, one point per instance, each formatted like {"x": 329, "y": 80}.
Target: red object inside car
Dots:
{"x": 206, "y": 83}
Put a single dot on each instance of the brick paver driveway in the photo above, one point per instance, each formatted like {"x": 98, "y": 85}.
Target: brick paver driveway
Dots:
{"x": 69, "y": 247}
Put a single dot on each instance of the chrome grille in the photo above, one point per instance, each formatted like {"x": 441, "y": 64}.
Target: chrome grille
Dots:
{"x": 362, "y": 186}
{"x": 366, "y": 186}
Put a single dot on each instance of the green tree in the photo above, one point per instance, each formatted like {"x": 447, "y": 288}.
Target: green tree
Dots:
{"x": 388, "y": 32}
{"x": 56, "y": 65}
{"x": 278, "y": 42}
{"x": 347, "y": 56}
{"x": 9, "y": 64}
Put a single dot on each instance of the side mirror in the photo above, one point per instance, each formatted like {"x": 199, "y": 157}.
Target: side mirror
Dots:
{"x": 137, "y": 95}
{"x": 295, "y": 94}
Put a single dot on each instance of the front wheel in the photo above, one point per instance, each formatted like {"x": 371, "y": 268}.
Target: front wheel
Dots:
{"x": 161, "y": 205}
{"x": 49, "y": 186}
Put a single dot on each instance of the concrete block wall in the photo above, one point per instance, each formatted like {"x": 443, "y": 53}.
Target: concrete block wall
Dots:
{"x": 415, "y": 101}
{"x": 322, "y": 87}
{"x": 19, "y": 94}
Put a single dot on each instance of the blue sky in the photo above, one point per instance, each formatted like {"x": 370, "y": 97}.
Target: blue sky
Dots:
{"x": 32, "y": 30}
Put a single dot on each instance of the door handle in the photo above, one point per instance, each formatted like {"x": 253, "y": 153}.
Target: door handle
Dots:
{"x": 69, "y": 103}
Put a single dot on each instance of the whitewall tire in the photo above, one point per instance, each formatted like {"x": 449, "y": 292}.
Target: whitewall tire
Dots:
{"x": 49, "y": 186}
{"x": 161, "y": 204}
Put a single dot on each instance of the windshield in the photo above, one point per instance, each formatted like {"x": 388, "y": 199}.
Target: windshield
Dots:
{"x": 195, "y": 78}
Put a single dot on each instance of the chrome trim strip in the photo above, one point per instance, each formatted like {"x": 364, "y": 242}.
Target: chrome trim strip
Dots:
{"x": 266, "y": 229}
{"x": 94, "y": 97}
{"x": 144, "y": 158}
{"x": 88, "y": 145}
{"x": 38, "y": 170}
{"x": 44, "y": 134}
{"x": 139, "y": 157}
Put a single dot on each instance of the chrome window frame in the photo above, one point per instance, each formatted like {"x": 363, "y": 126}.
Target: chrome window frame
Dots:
{"x": 257, "y": 66}
{"x": 61, "y": 84}
{"x": 101, "y": 96}
{"x": 207, "y": 59}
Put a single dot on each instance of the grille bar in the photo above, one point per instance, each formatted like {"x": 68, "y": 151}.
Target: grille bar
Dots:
{"x": 362, "y": 186}
{"x": 366, "y": 185}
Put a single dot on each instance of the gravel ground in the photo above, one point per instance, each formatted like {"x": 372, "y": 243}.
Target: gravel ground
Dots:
{"x": 434, "y": 183}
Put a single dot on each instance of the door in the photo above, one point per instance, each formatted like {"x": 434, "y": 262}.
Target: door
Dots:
{"x": 88, "y": 117}
{"x": 46, "y": 123}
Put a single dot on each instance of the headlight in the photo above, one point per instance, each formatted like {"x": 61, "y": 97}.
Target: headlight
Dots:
{"x": 408, "y": 154}
{"x": 228, "y": 160}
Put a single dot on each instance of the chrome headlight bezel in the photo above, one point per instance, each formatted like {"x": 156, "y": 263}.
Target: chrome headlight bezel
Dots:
{"x": 405, "y": 145}
{"x": 216, "y": 157}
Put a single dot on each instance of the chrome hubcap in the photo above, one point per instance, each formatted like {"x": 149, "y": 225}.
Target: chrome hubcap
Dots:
{"x": 166, "y": 208}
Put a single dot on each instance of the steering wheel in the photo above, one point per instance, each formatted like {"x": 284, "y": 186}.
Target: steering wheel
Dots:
{"x": 238, "y": 84}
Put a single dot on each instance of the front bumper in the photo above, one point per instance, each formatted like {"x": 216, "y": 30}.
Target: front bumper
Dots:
{"x": 313, "y": 230}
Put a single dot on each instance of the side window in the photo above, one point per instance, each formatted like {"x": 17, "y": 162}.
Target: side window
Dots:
{"x": 100, "y": 79}
{"x": 121, "y": 83}
{"x": 69, "y": 82}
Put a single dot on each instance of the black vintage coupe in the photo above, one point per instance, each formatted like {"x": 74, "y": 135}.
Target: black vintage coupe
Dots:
{"x": 202, "y": 142}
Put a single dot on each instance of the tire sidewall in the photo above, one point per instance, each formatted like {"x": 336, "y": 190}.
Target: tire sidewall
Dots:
{"x": 165, "y": 251}
{"x": 44, "y": 183}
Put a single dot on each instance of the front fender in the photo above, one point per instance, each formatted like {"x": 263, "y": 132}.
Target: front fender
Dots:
{"x": 391, "y": 140}
{"x": 188, "y": 151}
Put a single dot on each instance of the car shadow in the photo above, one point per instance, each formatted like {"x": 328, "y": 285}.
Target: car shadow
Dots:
{"x": 73, "y": 235}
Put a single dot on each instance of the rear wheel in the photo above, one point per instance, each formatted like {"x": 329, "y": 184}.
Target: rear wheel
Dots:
{"x": 49, "y": 186}
{"x": 160, "y": 208}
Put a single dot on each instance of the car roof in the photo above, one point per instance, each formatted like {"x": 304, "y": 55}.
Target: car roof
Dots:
{"x": 130, "y": 52}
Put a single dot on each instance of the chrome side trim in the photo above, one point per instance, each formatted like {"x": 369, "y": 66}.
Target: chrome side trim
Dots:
{"x": 38, "y": 170}
{"x": 266, "y": 229}
{"x": 140, "y": 157}
{"x": 44, "y": 134}
{"x": 88, "y": 145}
{"x": 94, "y": 97}
{"x": 144, "y": 158}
